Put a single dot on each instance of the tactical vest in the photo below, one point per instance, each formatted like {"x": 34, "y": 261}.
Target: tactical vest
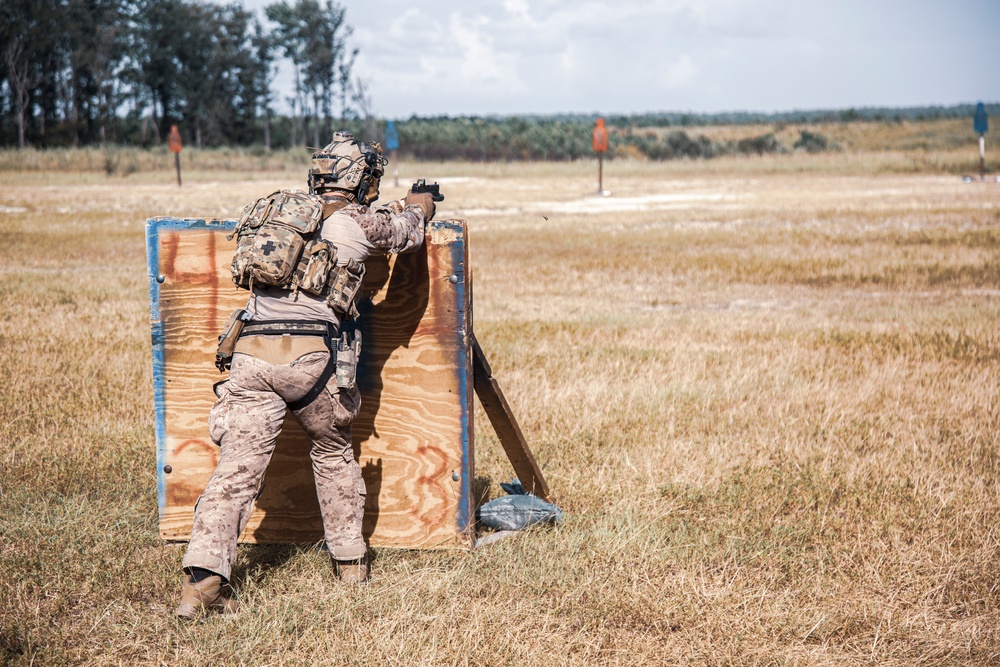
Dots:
{"x": 278, "y": 245}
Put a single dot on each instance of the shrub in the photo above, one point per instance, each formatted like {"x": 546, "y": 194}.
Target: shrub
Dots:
{"x": 811, "y": 142}
{"x": 765, "y": 143}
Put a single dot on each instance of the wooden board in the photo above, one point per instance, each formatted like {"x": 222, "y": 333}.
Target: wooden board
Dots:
{"x": 507, "y": 429}
{"x": 414, "y": 436}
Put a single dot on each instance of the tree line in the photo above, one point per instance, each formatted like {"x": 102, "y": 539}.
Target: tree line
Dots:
{"x": 84, "y": 72}
{"x": 77, "y": 72}
{"x": 539, "y": 138}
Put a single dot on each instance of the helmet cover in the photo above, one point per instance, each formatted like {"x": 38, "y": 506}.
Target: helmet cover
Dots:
{"x": 350, "y": 165}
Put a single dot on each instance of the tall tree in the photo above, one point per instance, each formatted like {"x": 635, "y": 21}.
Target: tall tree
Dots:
{"x": 82, "y": 71}
{"x": 206, "y": 66}
{"x": 162, "y": 37}
{"x": 29, "y": 45}
{"x": 314, "y": 36}
{"x": 237, "y": 74}
{"x": 97, "y": 33}
{"x": 290, "y": 25}
{"x": 257, "y": 78}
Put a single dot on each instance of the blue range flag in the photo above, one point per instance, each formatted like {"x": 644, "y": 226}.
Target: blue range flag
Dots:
{"x": 980, "y": 123}
{"x": 391, "y": 136}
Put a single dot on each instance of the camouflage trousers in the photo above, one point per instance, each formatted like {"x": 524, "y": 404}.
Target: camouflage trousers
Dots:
{"x": 245, "y": 422}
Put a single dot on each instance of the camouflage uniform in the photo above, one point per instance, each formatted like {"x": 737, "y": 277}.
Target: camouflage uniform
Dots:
{"x": 268, "y": 374}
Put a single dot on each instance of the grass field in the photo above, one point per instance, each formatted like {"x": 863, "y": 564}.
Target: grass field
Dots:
{"x": 765, "y": 391}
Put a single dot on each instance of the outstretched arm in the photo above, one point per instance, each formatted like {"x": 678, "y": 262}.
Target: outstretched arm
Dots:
{"x": 389, "y": 231}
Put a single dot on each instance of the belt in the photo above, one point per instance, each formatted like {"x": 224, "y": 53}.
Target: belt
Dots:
{"x": 290, "y": 327}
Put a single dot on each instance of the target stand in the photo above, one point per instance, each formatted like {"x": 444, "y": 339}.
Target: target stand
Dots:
{"x": 420, "y": 364}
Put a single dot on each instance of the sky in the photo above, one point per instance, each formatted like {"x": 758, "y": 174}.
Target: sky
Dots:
{"x": 500, "y": 57}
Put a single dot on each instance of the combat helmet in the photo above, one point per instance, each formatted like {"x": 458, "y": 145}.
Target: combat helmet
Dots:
{"x": 349, "y": 165}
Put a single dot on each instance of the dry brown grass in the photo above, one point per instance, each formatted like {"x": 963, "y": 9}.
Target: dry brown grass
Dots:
{"x": 765, "y": 392}
{"x": 930, "y": 135}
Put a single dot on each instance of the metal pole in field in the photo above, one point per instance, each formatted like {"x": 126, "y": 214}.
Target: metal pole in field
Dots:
{"x": 980, "y": 125}
{"x": 599, "y": 142}
{"x": 982, "y": 157}
{"x": 392, "y": 145}
{"x": 174, "y": 144}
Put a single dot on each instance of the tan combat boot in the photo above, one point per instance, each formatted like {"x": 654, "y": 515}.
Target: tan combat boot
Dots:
{"x": 205, "y": 595}
{"x": 352, "y": 571}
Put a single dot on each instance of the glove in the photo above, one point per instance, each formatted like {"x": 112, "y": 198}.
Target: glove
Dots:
{"x": 425, "y": 201}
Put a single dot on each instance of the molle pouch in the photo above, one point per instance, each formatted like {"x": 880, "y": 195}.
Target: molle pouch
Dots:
{"x": 298, "y": 211}
{"x": 272, "y": 233}
{"x": 227, "y": 341}
{"x": 348, "y": 352}
{"x": 312, "y": 274}
{"x": 243, "y": 261}
{"x": 345, "y": 283}
{"x": 254, "y": 215}
{"x": 276, "y": 251}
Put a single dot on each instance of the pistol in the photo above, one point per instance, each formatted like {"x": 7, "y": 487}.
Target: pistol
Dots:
{"x": 434, "y": 189}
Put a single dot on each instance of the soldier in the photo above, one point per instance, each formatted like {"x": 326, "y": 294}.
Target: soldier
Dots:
{"x": 302, "y": 258}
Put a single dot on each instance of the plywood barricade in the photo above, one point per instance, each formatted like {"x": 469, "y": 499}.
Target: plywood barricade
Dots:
{"x": 414, "y": 436}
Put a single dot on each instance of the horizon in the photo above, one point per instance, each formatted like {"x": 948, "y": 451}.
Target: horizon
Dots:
{"x": 524, "y": 58}
{"x": 992, "y": 107}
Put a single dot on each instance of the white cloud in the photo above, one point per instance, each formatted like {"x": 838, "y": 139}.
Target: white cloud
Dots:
{"x": 477, "y": 65}
{"x": 679, "y": 73}
{"x": 569, "y": 61}
{"x": 518, "y": 8}
{"x": 512, "y": 56}
{"x": 463, "y": 61}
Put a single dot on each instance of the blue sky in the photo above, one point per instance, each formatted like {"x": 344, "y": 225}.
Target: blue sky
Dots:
{"x": 431, "y": 57}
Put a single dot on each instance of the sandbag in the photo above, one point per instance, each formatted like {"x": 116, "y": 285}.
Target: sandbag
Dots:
{"x": 518, "y": 510}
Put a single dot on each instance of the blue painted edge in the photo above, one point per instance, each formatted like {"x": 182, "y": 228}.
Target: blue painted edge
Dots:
{"x": 156, "y": 324}
{"x": 153, "y": 228}
{"x": 459, "y": 257}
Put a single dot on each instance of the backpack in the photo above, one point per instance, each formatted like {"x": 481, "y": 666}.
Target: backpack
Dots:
{"x": 277, "y": 244}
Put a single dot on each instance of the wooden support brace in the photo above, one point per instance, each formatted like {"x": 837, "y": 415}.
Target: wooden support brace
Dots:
{"x": 505, "y": 425}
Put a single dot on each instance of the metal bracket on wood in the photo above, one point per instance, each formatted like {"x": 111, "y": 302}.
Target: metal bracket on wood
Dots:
{"x": 505, "y": 425}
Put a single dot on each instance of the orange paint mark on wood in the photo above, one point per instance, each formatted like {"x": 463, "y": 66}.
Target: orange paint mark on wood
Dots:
{"x": 193, "y": 453}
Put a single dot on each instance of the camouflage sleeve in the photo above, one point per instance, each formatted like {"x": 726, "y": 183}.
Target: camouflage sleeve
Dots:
{"x": 389, "y": 231}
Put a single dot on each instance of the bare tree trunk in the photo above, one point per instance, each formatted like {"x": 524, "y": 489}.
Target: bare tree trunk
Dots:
{"x": 294, "y": 124}
{"x": 301, "y": 104}
{"x": 267, "y": 129}
{"x": 20, "y": 125}
{"x": 18, "y": 70}
{"x": 362, "y": 98}
{"x": 22, "y": 107}
{"x": 102, "y": 112}
{"x": 75, "y": 111}
{"x": 152, "y": 120}
{"x": 316, "y": 118}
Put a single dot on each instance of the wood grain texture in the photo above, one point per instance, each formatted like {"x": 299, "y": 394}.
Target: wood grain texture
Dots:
{"x": 414, "y": 435}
